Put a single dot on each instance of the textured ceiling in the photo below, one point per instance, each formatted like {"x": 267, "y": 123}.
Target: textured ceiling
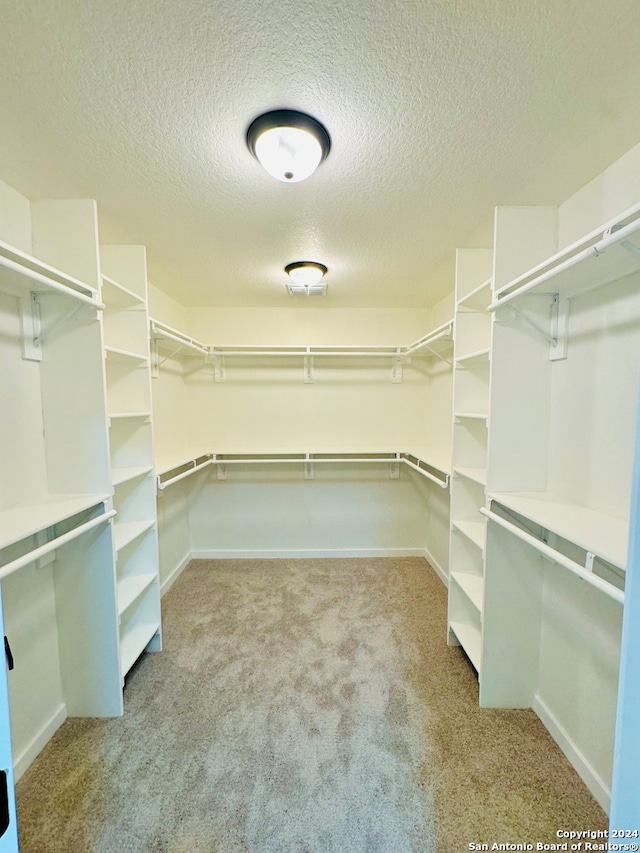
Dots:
{"x": 437, "y": 111}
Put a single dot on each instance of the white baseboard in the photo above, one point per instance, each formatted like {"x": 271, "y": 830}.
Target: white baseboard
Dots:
{"x": 38, "y": 743}
{"x": 598, "y": 787}
{"x": 175, "y": 574}
{"x": 435, "y": 565}
{"x": 304, "y": 554}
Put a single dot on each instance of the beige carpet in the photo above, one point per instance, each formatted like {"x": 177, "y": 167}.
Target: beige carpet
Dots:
{"x": 307, "y": 706}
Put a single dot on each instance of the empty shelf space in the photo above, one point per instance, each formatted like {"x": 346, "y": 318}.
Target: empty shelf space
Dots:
{"x": 472, "y": 586}
{"x": 117, "y": 295}
{"x": 130, "y": 588}
{"x": 594, "y": 531}
{"x": 124, "y": 475}
{"x": 133, "y": 642}
{"x": 470, "y": 640}
{"x": 477, "y": 475}
{"x": 125, "y": 532}
{"x": 477, "y": 299}
{"x": 115, "y": 354}
{"x": 479, "y": 358}
{"x": 475, "y": 531}
{"x": 18, "y": 522}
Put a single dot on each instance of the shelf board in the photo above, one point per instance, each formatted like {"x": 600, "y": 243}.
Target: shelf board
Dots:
{"x": 117, "y": 296}
{"x": 115, "y": 354}
{"x": 479, "y": 358}
{"x": 597, "y": 532}
{"x": 472, "y": 586}
{"x": 477, "y": 475}
{"x": 477, "y": 299}
{"x": 115, "y": 416}
{"x": 25, "y": 519}
{"x": 470, "y": 640}
{"x": 597, "y": 259}
{"x": 125, "y": 532}
{"x": 20, "y": 273}
{"x": 124, "y": 475}
{"x": 475, "y": 531}
{"x": 476, "y": 416}
{"x": 131, "y": 588}
{"x": 133, "y": 642}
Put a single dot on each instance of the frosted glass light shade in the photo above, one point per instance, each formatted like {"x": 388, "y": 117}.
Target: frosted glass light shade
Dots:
{"x": 289, "y": 145}
{"x": 305, "y": 273}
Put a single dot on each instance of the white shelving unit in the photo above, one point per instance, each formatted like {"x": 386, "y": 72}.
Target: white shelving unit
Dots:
{"x": 128, "y": 387}
{"x": 56, "y": 540}
{"x": 472, "y": 350}
{"x": 566, "y": 344}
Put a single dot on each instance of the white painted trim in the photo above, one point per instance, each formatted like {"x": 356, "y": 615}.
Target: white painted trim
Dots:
{"x": 168, "y": 582}
{"x": 437, "y": 568}
{"x": 304, "y": 554}
{"x": 38, "y": 743}
{"x": 598, "y": 787}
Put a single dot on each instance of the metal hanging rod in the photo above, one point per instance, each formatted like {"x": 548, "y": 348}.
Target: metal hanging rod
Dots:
{"x": 557, "y": 557}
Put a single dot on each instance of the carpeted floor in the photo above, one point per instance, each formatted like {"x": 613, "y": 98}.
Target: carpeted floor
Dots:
{"x": 307, "y": 706}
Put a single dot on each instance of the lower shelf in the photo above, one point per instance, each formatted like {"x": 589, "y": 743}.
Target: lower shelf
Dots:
{"x": 472, "y": 586}
{"x": 470, "y": 640}
{"x": 130, "y": 588}
{"x": 134, "y": 642}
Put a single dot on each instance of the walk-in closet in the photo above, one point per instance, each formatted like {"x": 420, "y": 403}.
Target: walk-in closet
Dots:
{"x": 327, "y": 475}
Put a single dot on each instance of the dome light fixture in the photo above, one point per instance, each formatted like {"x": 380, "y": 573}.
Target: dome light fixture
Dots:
{"x": 306, "y": 278}
{"x": 290, "y": 145}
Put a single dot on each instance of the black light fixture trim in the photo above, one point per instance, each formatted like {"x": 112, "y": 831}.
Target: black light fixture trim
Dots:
{"x": 288, "y": 118}
{"x": 298, "y": 264}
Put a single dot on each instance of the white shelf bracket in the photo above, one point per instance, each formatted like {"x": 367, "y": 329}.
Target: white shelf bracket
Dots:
{"x": 217, "y": 359}
{"x": 309, "y": 374}
{"x": 309, "y": 469}
{"x": 553, "y": 341}
{"x": 31, "y": 328}
{"x": 394, "y": 470}
{"x": 155, "y": 360}
{"x": 588, "y": 562}
{"x": 221, "y": 471}
{"x": 559, "y": 328}
{"x": 43, "y": 537}
{"x": 396, "y": 367}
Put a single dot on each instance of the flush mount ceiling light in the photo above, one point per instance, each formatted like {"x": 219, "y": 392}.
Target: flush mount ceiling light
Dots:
{"x": 306, "y": 278}
{"x": 289, "y": 145}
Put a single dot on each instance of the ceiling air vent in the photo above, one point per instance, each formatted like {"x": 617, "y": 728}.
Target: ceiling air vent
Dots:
{"x": 307, "y": 289}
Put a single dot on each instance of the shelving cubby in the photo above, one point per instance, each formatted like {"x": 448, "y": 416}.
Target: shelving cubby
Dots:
{"x": 128, "y": 392}
{"x": 560, "y": 453}
{"x": 472, "y": 351}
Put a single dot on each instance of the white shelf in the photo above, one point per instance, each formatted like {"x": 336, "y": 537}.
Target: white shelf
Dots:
{"x": 21, "y": 273}
{"x": 124, "y": 475}
{"x": 18, "y": 522}
{"x": 477, "y": 475}
{"x": 597, "y": 259}
{"x": 115, "y": 416}
{"x": 478, "y": 298}
{"x": 126, "y": 532}
{"x": 119, "y": 297}
{"x": 593, "y": 531}
{"x": 470, "y": 640}
{"x": 113, "y": 353}
{"x": 480, "y": 358}
{"x": 472, "y": 586}
{"x": 131, "y": 588}
{"x": 476, "y": 416}
{"x": 475, "y": 531}
{"x": 134, "y": 642}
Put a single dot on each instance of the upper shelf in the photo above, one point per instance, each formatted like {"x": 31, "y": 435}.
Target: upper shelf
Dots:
{"x": 593, "y": 531}
{"x": 477, "y": 299}
{"x": 20, "y": 274}
{"x": 611, "y": 252}
{"x": 438, "y": 342}
{"x": 117, "y": 297}
{"x": 22, "y": 520}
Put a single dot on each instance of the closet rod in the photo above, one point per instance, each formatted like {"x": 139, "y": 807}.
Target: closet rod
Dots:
{"x": 428, "y": 339}
{"x": 556, "y": 557}
{"x": 163, "y": 484}
{"x": 45, "y": 549}
{"x": 50, "y": 283}
{"x": 442, "y": 483}
{"x": 161, "y": 333}
{"x": 390, "y": 353}
{"x": 300, "y": 458}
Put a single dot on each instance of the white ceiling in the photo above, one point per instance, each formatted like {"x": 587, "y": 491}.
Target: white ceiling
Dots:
{"x": 437, "y": 111}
